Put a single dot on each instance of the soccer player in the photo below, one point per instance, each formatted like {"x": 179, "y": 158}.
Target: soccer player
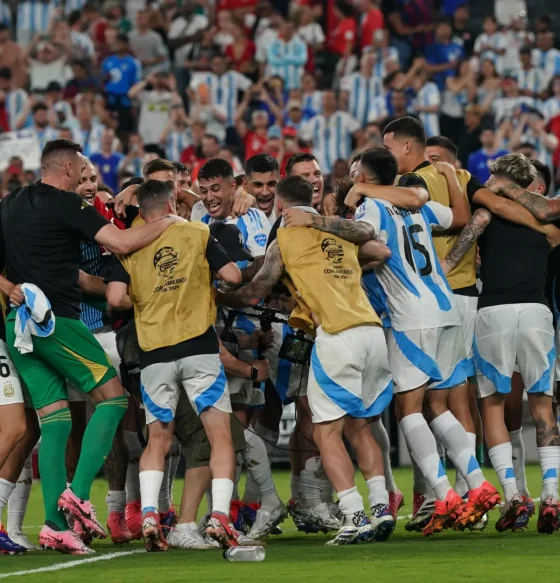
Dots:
{"x": 261, "y": 177}
{"x": 45, "y": 250}
{"x": 514, "y": 324}
{"x": 424, "y": 351}
{"x": 306, "y": 165}
{"x": 342, "y": 392}
{"x": 161, "y": 278}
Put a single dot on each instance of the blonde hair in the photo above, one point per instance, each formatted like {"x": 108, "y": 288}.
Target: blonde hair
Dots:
{"x": 517, "y": 167}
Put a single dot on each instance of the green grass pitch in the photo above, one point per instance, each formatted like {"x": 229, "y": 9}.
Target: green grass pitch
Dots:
{"x": 448, "y": 557}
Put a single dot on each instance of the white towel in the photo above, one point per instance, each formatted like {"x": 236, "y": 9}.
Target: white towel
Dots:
{"x": 33, "y": 317}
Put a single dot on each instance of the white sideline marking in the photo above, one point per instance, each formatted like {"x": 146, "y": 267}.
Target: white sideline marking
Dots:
{"x": 70, "y": 564}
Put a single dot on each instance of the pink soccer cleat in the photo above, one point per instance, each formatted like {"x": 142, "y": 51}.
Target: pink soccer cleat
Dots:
{"x": 63, "y": 541}
{"x": 396, "y": 502}
{"x": 83, "y": 511}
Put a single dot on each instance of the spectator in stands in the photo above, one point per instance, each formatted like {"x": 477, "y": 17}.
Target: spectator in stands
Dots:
{"x": 192, "y": 153}
{"x": 517, "y": 38}
{"x": 286, "y": 56}
{"x": 385, "y": 57}
{"x": 12, "y": 56}
{"x": 209, "y": 148}
{"x": 254, "y": 136}
{"x": 241, "y": 52}
{"x": 213, "y": 115}
{"x": 41, "y": 126}
{"x": 82, "y": 45}
{"x": 443, "y": 55}
{"x": 47, "y": 62}
{"x": 462, "y": 33}
{"x": 308, "y": 29}
{"x": 488, "y": 83}
{"x": 545, "y": 56}
{"x": 133, "y": 162}
{"x": 531, "y": 129}
{"x": 330, "y": 133}
{"x": 147, "y": 46}
{"x": 88, "y": 133}
{"x": 469, "y": 139}
{"x": 480, "y": 161}
{"x": 371, "y": 21}
{"x": 551, "y": 107}
{"x": 176, "y": 136}
{"x": 427, "y": 101}
{"x": 121, "y": 72}
{"x": 33, "y": 17}
{"x": 491, "y": 44}
{"x": 14, "y": 99}
{"x": 342, "y": 39}
{"x": 531, "y": 80}
{"x": 311, "y": 98}
{"x": 108, "y": 160}
{"x": 459, "y": 92}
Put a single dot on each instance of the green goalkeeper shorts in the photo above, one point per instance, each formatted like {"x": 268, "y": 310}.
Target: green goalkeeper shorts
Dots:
{"x": 71, "y": 352}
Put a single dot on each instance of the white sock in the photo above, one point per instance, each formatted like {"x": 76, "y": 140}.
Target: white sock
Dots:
{"x": 500, "y": 456}
{"x": 351, "y": 504}
{"x": 377, "y": 491}
{"x": 549, "y": 458}
{"x": 459, "y": 448}
{"x": 175, "y": 454}
{"x": 325, "y": 486}
{"x": 164, "y": 498}
{"x": 6, "y": 489}
{"x": 310, "y": 483}
{"x": 380, "y": 435}
{"x": 461, "y": 486}
{"x": 419, "y": 482}
{"x": 116, "y": 501}
{"x": 422, "y": 446}
{"x": 295, "y": 487}
{"x": 135, "y": 450}
{"x": 222, "y": 489}
{"x": 269, "y": 437}
{"x": 258, "y": 468}
{"x": 518, "y": 457}
{"x": 208, "y": 494}
{"x": 17, "y": 503}
{"x": 150, "y": 485}
{"x": 440, "y": 451}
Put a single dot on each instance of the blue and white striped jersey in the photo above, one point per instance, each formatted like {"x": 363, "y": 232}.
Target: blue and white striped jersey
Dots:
{"x": 45, "y": 135}
{"x": 176, "y": 142}
{"x": 34, "y": 16}
{"x": 90, "y": 262}
{"x": 5, "y": 14}
{"x": 496, "y": 41}
{"x": 417, "y": 293}
{"x": 547, "y": 61}
{"x": 90, "y": 140}
{"x": 312, "y": 102}
{"x": 362, "y": 90}
{"x": 378, "y": 109}
{"x": 72, "y": 5}
{"x": 534, "y": 80}
{"x": 376, "y": 296}
{"x": 286, "y": 60}
{"x": 224, "y": 90}
{"x": 254, "y": 228}
{"x": 16, "y": 101}
{"x": 551, "y": 108}
{"x": 331, "y": 138}
{"x": 427, "y": 96}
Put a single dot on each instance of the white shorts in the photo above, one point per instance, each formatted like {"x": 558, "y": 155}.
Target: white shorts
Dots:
{"x": 202, "y": 377}
{"x": 108, "y": 341}
{"x": 509, "y": 333}
{"x": 468, "y": 307}
{"x": 432, "y": 356}
{"x": 349, "y": 374}
{"x": 11, "y": 391}
{"x": 289, "y": 380}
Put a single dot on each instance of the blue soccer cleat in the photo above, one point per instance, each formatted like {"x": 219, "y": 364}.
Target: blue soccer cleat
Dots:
{"x": 382, "y": 521}
{"x": 352, "y": 534}
{"x": 8, "y": 546}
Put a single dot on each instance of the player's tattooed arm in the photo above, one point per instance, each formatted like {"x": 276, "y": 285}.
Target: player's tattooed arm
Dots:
{"x": 261, "y": 285}
{"x": 357, "y": 232}
{"x": 469, "y": 235}
{"x": 542, "y": 208}
{"x": 547, "y": 435}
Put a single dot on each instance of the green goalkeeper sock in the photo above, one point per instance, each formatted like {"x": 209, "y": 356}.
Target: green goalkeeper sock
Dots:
{"x": 55, "y": 430}
{"x": 97, "y": 442}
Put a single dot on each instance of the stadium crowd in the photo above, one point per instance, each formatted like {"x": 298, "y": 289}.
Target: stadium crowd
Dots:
{"x": 217, "y": 210}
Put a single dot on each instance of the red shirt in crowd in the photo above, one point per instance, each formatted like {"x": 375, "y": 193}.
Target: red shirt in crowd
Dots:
{"x": 371, "y": 22}
{"x": 344, "y": 33}
{"x": 246, "y": 57}
{"x": 254, "y": 144}
{"x": 189, "y": 157}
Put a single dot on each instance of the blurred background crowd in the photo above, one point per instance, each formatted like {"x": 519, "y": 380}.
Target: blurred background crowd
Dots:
{"x": 194, "y": 79}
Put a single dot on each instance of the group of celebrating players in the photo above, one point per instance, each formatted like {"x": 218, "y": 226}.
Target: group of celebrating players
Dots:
{"x": 256, "y": 292}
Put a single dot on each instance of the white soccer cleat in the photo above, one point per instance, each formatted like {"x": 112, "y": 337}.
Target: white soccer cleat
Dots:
{"x": 187, "y": 536}
{"x": 266, "y": 522}
{"x": 321, "y": 517}
{"x": 20, "y": 538}
{"x": 350, "y": 534}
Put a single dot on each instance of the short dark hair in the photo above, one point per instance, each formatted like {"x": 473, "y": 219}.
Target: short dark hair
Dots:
{"x": 346, "y": 8}
{"x": 380, "y": 164}
{"x": 180, "y": 167}
{"x": 152, "y": 195}
{"x": 5, "y": 73}
{"x": 122, "y": 37}
{"x": 159, "y": 165}
{"x": 132, "y": 180}
{"x": 239, "y": 180}
{"x": 59, "y": 147}
{"x": 74, "y": 17}
{"x": 39, "y": 107}
{"x": 215, "y": 168}
{"x": 261, "y": 163}
{"x": 296, "y": 159}
{"x": 443, "y": 142}
{"x": 544, "y": 173}
{"x": 296, "y": 190}
{"x": 105, "y": 188}
{"x": 407, "y": 127}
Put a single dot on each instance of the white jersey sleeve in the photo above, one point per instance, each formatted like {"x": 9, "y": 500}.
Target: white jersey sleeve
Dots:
{"x": 438, "y": 216}
{"x": 370, "y": 212}
{"x": 198, "y": 211}
{"x": 255, "y": 228}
